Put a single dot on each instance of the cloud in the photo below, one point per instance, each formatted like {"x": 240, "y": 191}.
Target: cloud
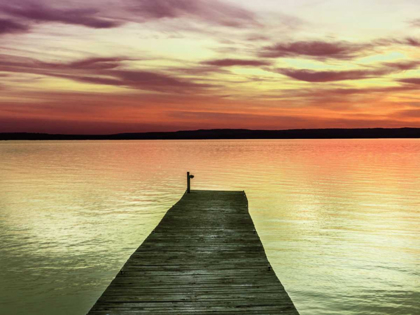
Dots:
{"x": 97, "y": 63}
{"x": 409, "y": 113}
{"x": 415, "y": 23}
{"x": 339, "y": 93}
{"x": 41, "y": 13}
{"x": 411, "y": 42}
{"x": 210, "y": 11}
{"x": 330, "y": 76}
{"x": 314, "y": 49}
{"x": 11, "y": 27}
{"x": 403, "y": 65}
{"x": 10, "y": 63}
{"x": 414, "y": 81}
{"x": 408, "y": 41}
{"x": 236, "y": 62}
{"x": 104, "y": 71}
{"x": 151, "y": 81}
{"x": 109, "y": 74}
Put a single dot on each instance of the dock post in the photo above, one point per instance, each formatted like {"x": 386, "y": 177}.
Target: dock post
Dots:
{"x": 189, "y": 177}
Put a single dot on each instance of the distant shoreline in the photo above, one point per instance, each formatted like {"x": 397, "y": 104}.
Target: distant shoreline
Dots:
{"x": 231, "y": 134}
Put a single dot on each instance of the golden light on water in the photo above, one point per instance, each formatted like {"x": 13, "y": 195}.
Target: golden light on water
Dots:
{"x": 338, "y": 218}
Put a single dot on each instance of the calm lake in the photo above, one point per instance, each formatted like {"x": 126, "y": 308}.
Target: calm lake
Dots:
{"x": 339, "y": 219}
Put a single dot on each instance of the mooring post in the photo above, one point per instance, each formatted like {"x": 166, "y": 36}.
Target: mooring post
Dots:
{"x": 189, "y": 177}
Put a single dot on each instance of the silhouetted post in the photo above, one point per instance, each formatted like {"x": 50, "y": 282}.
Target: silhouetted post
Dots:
{"x": 189, "y": 177}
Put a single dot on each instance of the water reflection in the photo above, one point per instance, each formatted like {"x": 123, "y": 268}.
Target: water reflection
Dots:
{"x": 339, "y": 218}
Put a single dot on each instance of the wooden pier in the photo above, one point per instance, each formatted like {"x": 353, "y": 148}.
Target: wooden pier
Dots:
{"x": 205, "y": 257}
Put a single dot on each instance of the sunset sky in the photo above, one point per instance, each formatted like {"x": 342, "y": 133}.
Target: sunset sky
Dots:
{"x": 110, "y": 66}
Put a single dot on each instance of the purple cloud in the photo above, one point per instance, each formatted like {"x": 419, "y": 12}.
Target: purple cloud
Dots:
{"x": 155, "y": 81}
{"x": 414, "y": 81}
{"x": 10, "y": 27}
{"x": 330, "y": 76}
{"x": 40, "y": 13}
{"x": 314, "y": 49}
{"x": 211, "y": 11}
{"x": 97, "y": 63}
{"x": 236, "y": 62}
{"x": 404, "y": 65}
{"x": 409, "y": 41}
{"x": 102, "y": 71}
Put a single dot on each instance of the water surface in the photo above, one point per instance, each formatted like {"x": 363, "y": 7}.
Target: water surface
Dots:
{"x": 339, "y": 218}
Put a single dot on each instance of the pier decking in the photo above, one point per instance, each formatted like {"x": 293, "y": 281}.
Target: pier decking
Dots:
{"x": 204, "y": 257}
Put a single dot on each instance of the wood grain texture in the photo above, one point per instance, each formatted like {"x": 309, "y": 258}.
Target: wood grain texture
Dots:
{"x": 205, "y": 257}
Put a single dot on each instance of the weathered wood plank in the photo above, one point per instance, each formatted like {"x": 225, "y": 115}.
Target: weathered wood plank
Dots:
{"x": 204, "y": 257}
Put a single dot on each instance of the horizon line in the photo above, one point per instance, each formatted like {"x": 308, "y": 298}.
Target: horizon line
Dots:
{"x": 202, "y": 134}
{"x": 197, "y": 130}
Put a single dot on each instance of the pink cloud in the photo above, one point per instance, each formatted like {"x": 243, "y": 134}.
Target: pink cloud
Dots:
{"x": 412, "y": 42}
{"x": 314, "y": 49}
{"x": 408, "y": 41}
{"x": 330, "y": 76}
{"x": 237, "y": 62}
{"x": 367, "y": 73}
{"x": 103, "y": 71}
{"x": 8, "y": 26}
{"x": 210, "y": 11}
{"x": 403, "y": 65}
{"x": 414, "y": 81}
{"x": 41, "y": 13}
